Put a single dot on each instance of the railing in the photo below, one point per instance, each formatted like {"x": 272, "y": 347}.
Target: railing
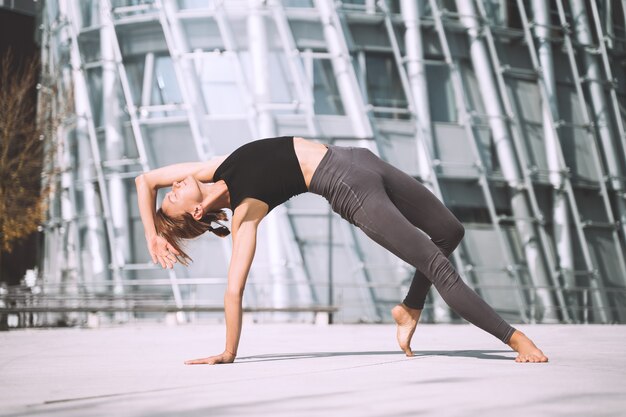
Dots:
{"x": 22, "y": 302}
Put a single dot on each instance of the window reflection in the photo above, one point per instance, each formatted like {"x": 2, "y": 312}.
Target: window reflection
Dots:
{"x": 153, "y": 83}
{"x": 325, "y": 90}
{"x": 298, "y": 3}
{"x": 195, "y": 4}
{"x": 128, "y": 3}
{"x": 384, "y": 87}
{"x": 94, "y": 83}
{"x": 440, "y": 94}
{"x": 88, "y": 11}
{"x": 165, "y": 86}
{"x": 219, "y": 84}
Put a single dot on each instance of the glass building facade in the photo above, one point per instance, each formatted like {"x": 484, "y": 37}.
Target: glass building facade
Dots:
{"x": 511, "y": 111}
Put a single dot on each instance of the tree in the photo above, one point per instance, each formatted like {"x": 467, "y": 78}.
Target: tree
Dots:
{"x": 27, "y": 119}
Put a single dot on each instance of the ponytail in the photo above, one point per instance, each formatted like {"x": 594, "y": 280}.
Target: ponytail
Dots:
{"x": 186, "y": 227}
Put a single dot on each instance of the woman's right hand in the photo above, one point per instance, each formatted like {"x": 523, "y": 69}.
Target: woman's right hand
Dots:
{"x": 162, "y": 252}
{"x": 225, "y": 357}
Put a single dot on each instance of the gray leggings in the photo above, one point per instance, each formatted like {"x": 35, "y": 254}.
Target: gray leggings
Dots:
{"x": 391, "y": 208}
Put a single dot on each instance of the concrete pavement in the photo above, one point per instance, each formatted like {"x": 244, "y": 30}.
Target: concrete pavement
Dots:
{"x": 305, "y": 370}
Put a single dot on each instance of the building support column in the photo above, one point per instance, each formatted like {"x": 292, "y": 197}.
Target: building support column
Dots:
{"x": 266, "y": 127}
{"x": 114, "y": 144}
{"x": 560, "y": 216}
{"x": 504, "y": 148}
{"x": 94, "y": 247}
{"x": 416, "y": 73}
{"x": 342, "y": 65}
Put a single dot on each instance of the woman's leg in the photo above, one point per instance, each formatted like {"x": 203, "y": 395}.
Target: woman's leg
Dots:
{"x": 385, "y": 223}
{"x": 425, "y": 211}
{"x": 365, "y": 191}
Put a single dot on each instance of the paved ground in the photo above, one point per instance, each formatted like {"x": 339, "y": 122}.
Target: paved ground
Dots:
{"x": 306, "y": 370}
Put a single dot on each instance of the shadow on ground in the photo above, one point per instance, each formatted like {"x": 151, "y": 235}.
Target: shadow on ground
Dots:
{"x": 478, "y": 354}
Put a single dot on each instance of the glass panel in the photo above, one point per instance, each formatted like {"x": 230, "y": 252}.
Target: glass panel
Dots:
{"x": 128, "y": 3}
{"x": 369, "y": 36}
{"x": 325, "y": 91}
{"x": 394, "y": 6}
{"x": 195, "y": 4}
{"x": 219, "y": 85}
{"x": 453, "y": 148}
{"x": 165, "y": 86}
{"x": 88, "y": 12}
{"x": 281, "y": 84}
{"x": 135, "y": 72}
{"x": 383, "y": 82}
{"x": 169, "y": 143}
{"x": 514, "y": 19}
{"x": 129, "y": 8}
{"x": 298, "y": 3}
{"x": 202, "y": 34}
{"x": 496, "y": 12}
{"x": 140, "y": 38}
{"x": 89, "y": 45}
{"x": 440, "y": 94}
{"x": 472, "y": 87}
{"x": 308, "y": 34}
{"x": 94, "y": 83}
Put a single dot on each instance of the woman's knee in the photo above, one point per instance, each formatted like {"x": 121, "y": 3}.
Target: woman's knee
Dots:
{"x": 453, "y": 235}
{"x": 459, "y": 231}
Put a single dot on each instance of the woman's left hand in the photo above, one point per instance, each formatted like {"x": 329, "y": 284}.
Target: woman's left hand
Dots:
{"x": 225, "y": 357}
{"x": 162, "y": 251}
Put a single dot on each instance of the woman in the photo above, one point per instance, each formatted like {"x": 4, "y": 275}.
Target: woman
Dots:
{"x": 384, "y": 202}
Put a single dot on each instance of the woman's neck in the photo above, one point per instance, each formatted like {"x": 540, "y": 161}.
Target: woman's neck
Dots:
{"x": 215, "y": 196}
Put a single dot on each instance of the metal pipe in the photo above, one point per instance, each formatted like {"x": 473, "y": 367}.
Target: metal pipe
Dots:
{"x": 113, "y": 140}
{"x": 416, "y": 72}
{"x": 259, "y": 60}
{"x": 148, "y": 79}
{"x": 351, "y": 95}
{"x": 508, "y": 161}
{"x": 93, "y": 251}
{"x": 186, "y": 76}
{"x": 418, "y": 97}
{"x": 624, "y": 10}
{"x": 561, "y": 221}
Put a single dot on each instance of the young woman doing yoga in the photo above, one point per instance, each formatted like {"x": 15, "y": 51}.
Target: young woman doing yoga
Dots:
{"x": 392, "y": 208}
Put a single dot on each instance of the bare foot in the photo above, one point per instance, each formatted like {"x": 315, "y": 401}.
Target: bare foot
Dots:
{"x": 406, "y": 318}
{"x": 526, "y": 349}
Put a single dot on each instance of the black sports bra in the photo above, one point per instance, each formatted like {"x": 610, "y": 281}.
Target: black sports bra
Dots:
{"x": 265, "y": 169}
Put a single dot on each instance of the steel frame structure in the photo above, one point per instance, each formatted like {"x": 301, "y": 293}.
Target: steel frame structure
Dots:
{"x": 548, "y": 295}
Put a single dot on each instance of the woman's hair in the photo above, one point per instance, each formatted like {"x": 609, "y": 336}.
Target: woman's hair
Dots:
{"x": 174, "y": 229}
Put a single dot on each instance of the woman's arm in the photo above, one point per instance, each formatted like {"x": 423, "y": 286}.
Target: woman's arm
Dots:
{"x": 246, "y": 219}
{"x": 165, "y": 176}
{"x": 160, "y": 250}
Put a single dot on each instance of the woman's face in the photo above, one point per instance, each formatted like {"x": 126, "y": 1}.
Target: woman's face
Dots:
{"x": 183, "y": 198}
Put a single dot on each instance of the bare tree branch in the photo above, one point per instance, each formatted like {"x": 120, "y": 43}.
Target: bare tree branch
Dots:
{"x": 25, "y": 122}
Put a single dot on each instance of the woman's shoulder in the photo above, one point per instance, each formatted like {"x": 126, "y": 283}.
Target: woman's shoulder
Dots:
{"x": 210, "y": 167}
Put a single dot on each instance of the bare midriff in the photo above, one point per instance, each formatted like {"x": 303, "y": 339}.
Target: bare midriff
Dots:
{"x": 309, "y": 156}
